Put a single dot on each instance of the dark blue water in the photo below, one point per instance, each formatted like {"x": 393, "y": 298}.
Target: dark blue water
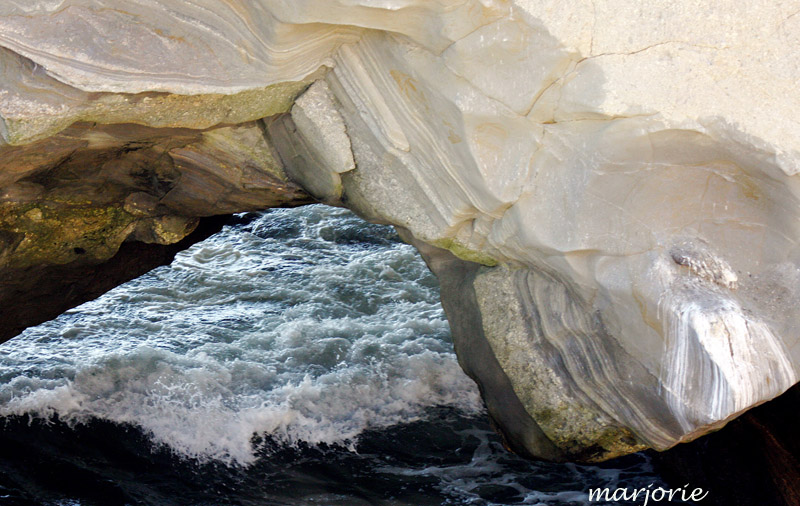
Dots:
{"x": 298, "y": 357}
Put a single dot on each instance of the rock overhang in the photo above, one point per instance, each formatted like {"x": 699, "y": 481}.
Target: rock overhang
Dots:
{"x": 632, "y": 199}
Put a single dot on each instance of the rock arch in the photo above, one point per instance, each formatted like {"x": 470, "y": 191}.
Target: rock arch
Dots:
{"x": 613, "y": 219}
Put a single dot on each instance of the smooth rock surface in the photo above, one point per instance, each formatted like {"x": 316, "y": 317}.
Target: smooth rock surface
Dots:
{"x": 624, "y": 173}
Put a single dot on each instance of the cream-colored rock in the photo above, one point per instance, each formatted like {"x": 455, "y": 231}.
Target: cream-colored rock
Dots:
{"x": 314, "y": 143}
{"x": 36, "y": 106}
{"x": 625, "y": 172}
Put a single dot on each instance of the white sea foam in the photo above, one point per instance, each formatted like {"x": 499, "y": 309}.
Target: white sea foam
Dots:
{"x": 300, "y": 325}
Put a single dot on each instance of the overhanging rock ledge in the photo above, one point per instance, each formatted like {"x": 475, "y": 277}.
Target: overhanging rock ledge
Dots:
{"x": 606, "y": 189}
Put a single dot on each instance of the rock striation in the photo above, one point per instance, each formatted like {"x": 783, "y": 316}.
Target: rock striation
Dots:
{"x": 613, "y": 218}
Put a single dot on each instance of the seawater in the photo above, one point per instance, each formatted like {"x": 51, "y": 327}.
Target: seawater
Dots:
{"x": 297, "y": 357}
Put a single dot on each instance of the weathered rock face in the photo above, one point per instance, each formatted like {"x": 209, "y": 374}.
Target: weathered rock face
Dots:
{"x": 72, "y": 192}
{"x": 620, "y": 211}
{"x": 754, "y": 460}
{"x": 43, "y": 291}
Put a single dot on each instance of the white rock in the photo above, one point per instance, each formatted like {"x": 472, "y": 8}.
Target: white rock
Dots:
{"x": 632, "y": 164}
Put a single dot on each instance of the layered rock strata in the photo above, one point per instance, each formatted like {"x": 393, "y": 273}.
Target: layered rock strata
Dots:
{"x": 755, "y": 459}
{"x": 92, "y": 183}
{"x": 613, "y": 217}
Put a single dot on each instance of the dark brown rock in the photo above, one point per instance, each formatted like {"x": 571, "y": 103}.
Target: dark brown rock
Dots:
{"x": 752, "y": 461}
{"x": 42, "y": 292}
{"x": 91, "y": 187}
{"x": 97, "y": 205}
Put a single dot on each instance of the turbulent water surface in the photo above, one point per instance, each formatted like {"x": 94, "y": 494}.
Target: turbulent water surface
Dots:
{"x": 298, "y": 357}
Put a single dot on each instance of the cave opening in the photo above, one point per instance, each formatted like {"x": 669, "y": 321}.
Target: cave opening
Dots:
{"x": 303, "y": 352}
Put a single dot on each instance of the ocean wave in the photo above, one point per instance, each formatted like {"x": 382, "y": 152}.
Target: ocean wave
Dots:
{"x": 317, "y": 332}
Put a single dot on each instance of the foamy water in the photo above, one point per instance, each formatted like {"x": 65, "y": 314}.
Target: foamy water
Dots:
{"x": 291, "y": 342}
{"x": 292, "y": 325}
